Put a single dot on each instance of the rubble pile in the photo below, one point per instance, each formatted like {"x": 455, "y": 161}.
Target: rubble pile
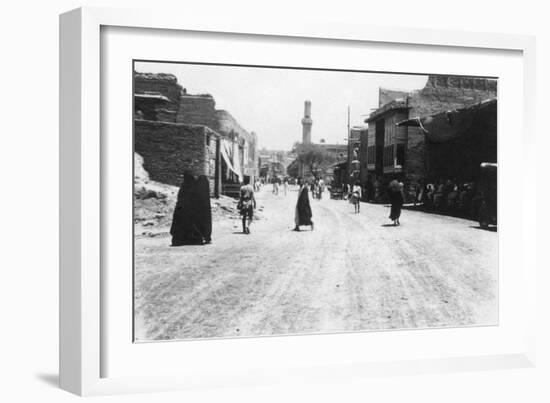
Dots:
{"x": 154, "y": 204}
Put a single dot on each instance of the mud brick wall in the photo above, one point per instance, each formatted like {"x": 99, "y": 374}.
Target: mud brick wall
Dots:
{"x": 415, "y": 157}
{"x": 169, "y": 150}
{"x": 165, "y": 84}
{"x": 197, "y": 110}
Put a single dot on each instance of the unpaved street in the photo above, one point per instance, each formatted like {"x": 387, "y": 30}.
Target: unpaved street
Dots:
{"x": 353, "y": 272}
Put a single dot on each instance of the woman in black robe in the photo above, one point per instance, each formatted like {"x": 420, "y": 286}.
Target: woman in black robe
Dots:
{"x": 396, "y": 199}
{"x": 192, "y": 220}
{"x": 302, "y": 215}
{"x": 203, "y": 209}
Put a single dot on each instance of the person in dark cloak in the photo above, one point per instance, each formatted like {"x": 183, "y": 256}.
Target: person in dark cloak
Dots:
{"x": 302, "y": 215}
{"x": 203, "y": 215}
{"x": 395, "y": 192}
{"x": 192, "y": 219}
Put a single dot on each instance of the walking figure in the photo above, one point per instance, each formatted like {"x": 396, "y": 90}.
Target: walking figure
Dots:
{"x": 302, "y": 214}
{"x": 356, "y": 195}
{"x": 395, "y": 191}
{"x": 247, "y": 204}
{"x": 275, "y": 186}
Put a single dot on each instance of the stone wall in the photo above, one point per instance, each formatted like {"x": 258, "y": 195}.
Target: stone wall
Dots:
{"x": 169, "y": 150}
{"x": 443, "y": 93}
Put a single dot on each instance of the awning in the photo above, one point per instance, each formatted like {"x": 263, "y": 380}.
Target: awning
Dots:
{"x": 228, "y": 155}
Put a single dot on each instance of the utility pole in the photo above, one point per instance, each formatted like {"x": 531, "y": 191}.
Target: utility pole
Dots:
{"x": 348, "y": 125}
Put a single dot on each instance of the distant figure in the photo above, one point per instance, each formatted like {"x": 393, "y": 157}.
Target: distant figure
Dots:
{"x": 302, "y": 215}
{"x": 321, "y": 189}
{"x": 345, "y": 191}
{"x": 275, "y": 186}
{"x": 356, "y": 194}
{"x": 285, "y": 186}
{"x": 192, "y": 219}
{"x": 395, "y": 192}
{"x": 247, "y": 204}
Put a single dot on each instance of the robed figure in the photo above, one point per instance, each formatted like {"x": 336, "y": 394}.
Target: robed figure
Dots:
{"x": 395, "y": 193}
{"x": 192, "y": 220}
{"x": 302, "y": 215}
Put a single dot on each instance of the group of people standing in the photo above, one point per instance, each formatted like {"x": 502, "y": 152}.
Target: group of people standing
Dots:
{"x": 317, "y": 188}
{"x": 277, "y": 183}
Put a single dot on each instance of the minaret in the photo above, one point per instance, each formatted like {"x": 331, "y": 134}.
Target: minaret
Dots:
{"x": 306, "y": 123}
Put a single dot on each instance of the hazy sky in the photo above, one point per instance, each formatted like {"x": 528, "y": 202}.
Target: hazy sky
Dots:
{"x": 270, "y": 101}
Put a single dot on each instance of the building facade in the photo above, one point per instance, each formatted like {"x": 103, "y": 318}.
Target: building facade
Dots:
{"x": 391, "y": 151}
{"x": 197, "y": 132}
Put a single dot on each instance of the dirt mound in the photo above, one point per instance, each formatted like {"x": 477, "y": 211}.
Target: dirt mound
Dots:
{"x": 153, "y": 202}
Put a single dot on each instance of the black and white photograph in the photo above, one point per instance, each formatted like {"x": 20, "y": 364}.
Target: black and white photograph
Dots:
{"x": 275, "y": 201}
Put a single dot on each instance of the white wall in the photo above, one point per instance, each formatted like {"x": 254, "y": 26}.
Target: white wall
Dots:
{"x": 29, "y": 188}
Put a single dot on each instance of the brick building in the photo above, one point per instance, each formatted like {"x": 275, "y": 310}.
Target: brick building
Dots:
{"x": 391, "y": 151}
{"x": 185, "y": 132}
{"x": 170, "y": 149}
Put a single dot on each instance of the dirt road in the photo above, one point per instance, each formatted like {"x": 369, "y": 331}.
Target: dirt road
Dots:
{"x": 353, "y": 272}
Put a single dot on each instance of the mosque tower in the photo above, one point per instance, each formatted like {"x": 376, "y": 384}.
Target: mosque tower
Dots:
{"x": 306, "y": 123}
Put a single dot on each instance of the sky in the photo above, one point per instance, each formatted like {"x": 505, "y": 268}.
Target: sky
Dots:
{"x": 270, "y": 101}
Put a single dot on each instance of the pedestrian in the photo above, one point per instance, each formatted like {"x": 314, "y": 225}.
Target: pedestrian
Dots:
{"x": 246, "y": 204}
{"x": 417, "y": 193}
{"x": 192, "y": 219}
{"x": 356, "y": 194}
{"x": 395, "y": 191}
{"x": 344, "y": 191}
{"x": 275, "y": 186}
{"x": 285, "y": 186}
{"x": 302, "y": 213}
{"x": 203, "y": 211}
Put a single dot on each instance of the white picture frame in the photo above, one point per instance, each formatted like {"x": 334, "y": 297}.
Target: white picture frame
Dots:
{"x": 82, "y": 173}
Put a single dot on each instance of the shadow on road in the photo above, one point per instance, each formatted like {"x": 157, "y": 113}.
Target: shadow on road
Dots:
{"x": 389, "y": 225}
